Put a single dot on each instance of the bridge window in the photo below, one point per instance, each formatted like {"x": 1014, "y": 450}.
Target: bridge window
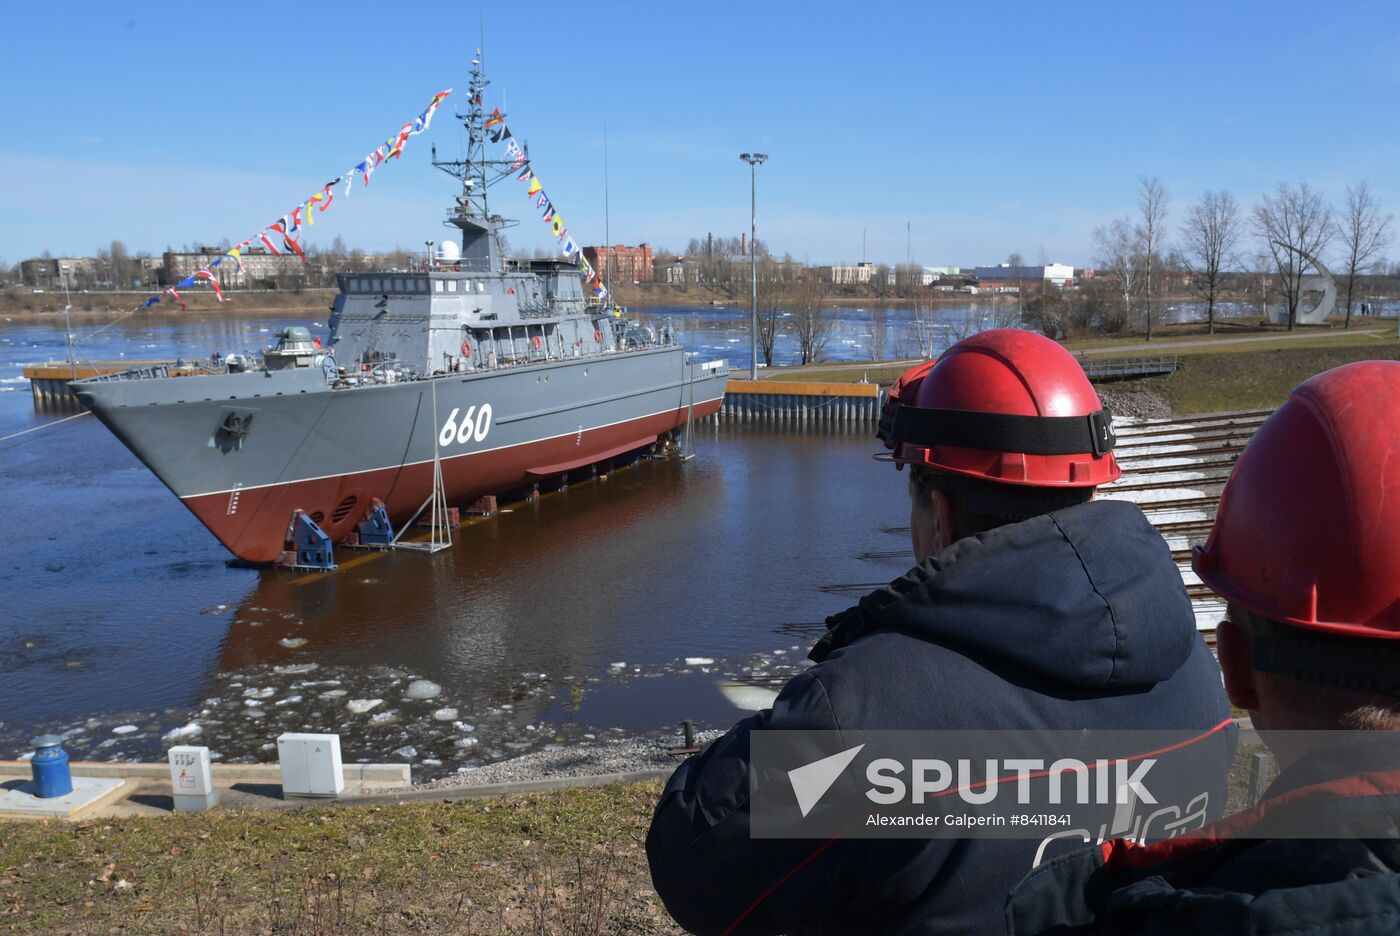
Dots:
{"x": 437, "y": 285}
{"x": 451, "y": 285}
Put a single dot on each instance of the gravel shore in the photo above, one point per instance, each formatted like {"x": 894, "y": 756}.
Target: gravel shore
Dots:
{"x": 1137, "y": 402}
{"x": 603, "y": 756}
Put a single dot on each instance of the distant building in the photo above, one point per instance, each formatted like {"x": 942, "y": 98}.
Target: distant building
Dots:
{"x": 678, "y": 271}
{"x": 53, "y": 271}
{"x": 147, "y": 270}
{"x": 1060, "y": 274}
{"x": 849, "y": 274}
{"x": 260, "y": 267}
{"x": 620, "y": 263}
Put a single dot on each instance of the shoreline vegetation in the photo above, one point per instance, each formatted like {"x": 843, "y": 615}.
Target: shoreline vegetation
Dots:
{"x": 24, "y": 304}
{"x": 1245, "y": 364}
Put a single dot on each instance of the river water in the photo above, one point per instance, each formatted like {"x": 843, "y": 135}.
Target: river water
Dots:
{"x": 667, "y": 591}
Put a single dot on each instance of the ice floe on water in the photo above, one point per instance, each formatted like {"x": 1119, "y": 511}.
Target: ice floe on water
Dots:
{"x": 184, "y": 732}
{"x": 423, "y": 689}
{"x": 292, "y": 643}
{"x": 379, "y": 711}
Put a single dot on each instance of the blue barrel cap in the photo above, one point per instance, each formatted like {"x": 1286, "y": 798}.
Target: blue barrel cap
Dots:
{"x": 47, "y": 741}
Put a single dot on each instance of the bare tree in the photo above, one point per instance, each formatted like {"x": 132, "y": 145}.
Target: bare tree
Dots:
{"x": 811, "y": 320}
{"x": 924, "y": 333}
{"x": 1365, "y": 233}
{"x": 770, "y": 302}
{"x": 121, "y": 265}
{"x": 1014, "y": 261}
{"x": 1294, "y": 223}
{"x": 1152, "y": 203}
{"x": 1210, "y": 232}
{"x": 879, "y": 332}
{"x": 1120, "y": 253}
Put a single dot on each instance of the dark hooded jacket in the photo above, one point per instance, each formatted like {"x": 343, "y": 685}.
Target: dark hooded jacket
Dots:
{"x": 1248, "y": 874}
{"x": 1073, "y": 620}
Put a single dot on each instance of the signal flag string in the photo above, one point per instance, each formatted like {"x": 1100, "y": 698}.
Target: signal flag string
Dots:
{"x": 290, "y": 224}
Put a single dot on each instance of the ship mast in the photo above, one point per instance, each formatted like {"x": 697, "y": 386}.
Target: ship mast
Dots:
{"x": 477, "y": 173}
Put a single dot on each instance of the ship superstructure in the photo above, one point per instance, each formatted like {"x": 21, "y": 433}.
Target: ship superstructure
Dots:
{"x": 528, "y": 379}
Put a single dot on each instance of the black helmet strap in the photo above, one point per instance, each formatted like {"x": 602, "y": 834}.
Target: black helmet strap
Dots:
{"x": 1001, "y": 432}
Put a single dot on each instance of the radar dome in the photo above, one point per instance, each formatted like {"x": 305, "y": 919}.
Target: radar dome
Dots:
{"x": 449, "y": 252}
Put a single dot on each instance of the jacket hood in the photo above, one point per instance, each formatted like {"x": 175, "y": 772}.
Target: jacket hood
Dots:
{"x": 1087, "y": 596}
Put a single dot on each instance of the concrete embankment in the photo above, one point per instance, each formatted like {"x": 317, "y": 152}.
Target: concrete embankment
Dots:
{"x": 800, "y": 403}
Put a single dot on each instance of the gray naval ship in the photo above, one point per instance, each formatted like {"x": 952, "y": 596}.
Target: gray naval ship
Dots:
{"x": 498, "y": 370}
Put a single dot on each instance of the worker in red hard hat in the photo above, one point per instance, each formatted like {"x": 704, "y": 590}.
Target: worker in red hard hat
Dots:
{"x": 1306, "y": 552}
{"x": 1032, "y": 607}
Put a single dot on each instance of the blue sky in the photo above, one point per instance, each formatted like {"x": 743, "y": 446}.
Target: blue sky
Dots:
{"x": 988, "y": 129}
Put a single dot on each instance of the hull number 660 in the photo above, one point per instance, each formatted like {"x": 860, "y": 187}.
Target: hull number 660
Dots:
{"x": 474, "y": 425}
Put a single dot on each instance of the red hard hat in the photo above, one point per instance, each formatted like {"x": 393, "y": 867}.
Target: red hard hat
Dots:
{"x": 1308, "y": 530}
{"x": 1008, "y": 406}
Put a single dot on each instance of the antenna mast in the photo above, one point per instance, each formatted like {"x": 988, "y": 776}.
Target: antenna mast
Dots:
{"x": 477, "y": 171}
{"x": 607, "y": 229}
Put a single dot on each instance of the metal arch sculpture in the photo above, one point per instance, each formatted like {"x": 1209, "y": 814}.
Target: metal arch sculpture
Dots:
{"x": 1322, "y": 282}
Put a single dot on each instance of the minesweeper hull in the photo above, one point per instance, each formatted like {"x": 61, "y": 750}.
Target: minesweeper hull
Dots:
{"x": 296, "y": 443}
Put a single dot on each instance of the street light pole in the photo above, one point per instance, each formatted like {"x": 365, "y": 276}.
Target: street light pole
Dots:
{"x": 754, "y": 160}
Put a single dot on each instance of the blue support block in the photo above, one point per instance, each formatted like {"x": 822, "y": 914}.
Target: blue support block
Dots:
{"x": 375, "y": 529}
{"x": 311, "y": 544}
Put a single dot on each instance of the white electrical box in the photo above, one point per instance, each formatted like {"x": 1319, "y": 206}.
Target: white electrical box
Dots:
{"x": 191, "y": 785}
{"x": 310, "y": 764}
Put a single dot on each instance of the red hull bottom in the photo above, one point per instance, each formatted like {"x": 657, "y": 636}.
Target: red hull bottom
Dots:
{"x": 253, "y": 523}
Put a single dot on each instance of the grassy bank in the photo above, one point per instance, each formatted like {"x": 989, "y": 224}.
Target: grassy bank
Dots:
{"x": 1259, "y": 377}
{"x": 565, "y": 862}
{"x": 1214, "y": 375}
{"x": 570, "y": 862}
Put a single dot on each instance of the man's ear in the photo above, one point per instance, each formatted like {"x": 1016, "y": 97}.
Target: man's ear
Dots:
{"x": 1235, "y": 648}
